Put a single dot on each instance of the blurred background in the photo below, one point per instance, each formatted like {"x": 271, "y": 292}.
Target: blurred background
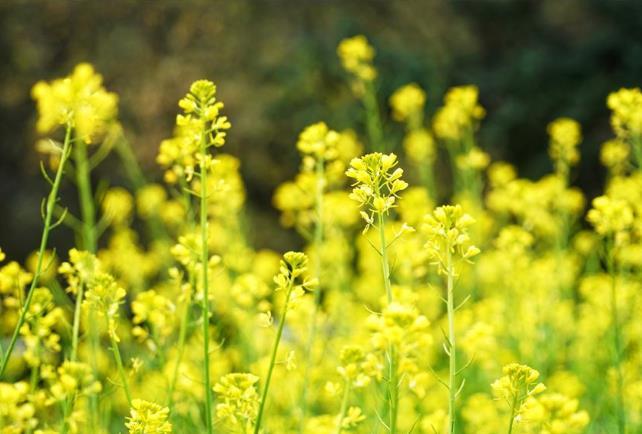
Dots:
{"x": 276, "y": 69}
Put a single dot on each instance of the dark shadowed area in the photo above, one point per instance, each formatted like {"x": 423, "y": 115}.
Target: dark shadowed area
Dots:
{"x": 276, "y": 69}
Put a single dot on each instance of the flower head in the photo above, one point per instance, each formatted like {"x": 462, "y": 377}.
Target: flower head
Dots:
{"x": 79, "y": 101}
{"x": 459, "y": 114}
{"x": 408, "y": 103}
{"x": 200, "y": 122}
{"x": 376, "y": 185}
{"x": 565, "y": 134}
{"x": 447, "y": 232}
{"x": 148, "y": 418}
{"x": 238, "y": 398}
{"x": 356, "y": 56}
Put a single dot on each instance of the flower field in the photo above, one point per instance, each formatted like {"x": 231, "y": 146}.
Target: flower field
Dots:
{"x": 436, "y": 291}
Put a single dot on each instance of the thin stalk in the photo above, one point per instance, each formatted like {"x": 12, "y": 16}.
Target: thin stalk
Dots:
{"x": 512, "y": 415}
{"x": 119, "y": 364}
{"x": 391, "y": 355}
{"x": 49, "y": 210}
{"x": 76, "y": 325}
{"x": 452, "y": 348}
{"x": 385, "y": 266}
{"x": 318, "y": 241}
{"x": 617, "y": 338}
{"x": 344, "y": 407}
{"x": 87, "y": 209}
{"x": 275, "y": 347}
{"x": 181, "y": 348}
{"x": 373, "y": 118}
{"x": 205, "y": 304}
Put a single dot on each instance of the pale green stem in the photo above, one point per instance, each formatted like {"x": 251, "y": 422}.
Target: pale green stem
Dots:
{"x": 617, "y": 338}
{"x": 393, "y": 386}
{"x": 318, "y": 242}
{"x": 452, "y": 348}
{"x": 181, "y": 347}
{"x": 373, "y": 118}
{"x": 49, "y": 210}
{"x": 205, "y": 304}
{"x": 85, "y": 196}
{"x": 512, "y": 415}
{"x": 76, "y": 325}
{"x": 119, "y": 363}
{"x": 344, "y": 407}
{"x": 275, "y": 348}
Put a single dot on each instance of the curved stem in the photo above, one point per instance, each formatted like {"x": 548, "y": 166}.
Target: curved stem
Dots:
{"x": 76, "y": 325}
{"x": 50, "y": 206}
{"x": 318, "y": 242}
{"x": 512, "y": 415}
{"x": 344, "y": 407}
{"x": 373, "y": 118}
{"x": 452, "y": 348}
{"x": 205, "y": 303}
{"x": 275, "y": 347}
{"x": 119, "y": 364}
{"x": 181, "y": 347}
{"x": 617, "y": 338}
{"x": 85, "y": 196}
{"x": 391, "y": 354}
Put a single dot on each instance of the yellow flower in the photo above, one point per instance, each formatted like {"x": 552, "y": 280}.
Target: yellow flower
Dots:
{"x": 356, "y": 57}
{"x": 74, "y": 378}
{"x": 408, "y": 103}
{"x": 319, "y": 141}
{"x": 459, "y": 115}
{"x": 565, "y": 134}
{"x": 419, "y": 146}
{"x": 518, "y": 383}
{"x": 610, "y": 216}
{"x": 201, "y": 121}
{"x": 148, "y": 418}
{"x": 447, "y": 232}
{"x": 78, "y": 100}
{"x": 377, "y": 183}
{"x": 117, "y": 205}
{"x": 615, "y": 155}
{"x": 626, "y": 117}
{"x": 238, "y": 398}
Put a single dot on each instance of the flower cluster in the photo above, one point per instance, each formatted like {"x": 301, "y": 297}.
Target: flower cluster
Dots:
{"x": 79, "y": 101}
{"x": 377, "y": 184}
{"x": 447, "y": 232}
{"x": 201, "y": 124}
{"x": 565, "y": 135}
{"x": 459, "y": 115}
{"x": 356, "y": 56}
{"x": 148, "y": 418}
{"x": 238, "y": 399}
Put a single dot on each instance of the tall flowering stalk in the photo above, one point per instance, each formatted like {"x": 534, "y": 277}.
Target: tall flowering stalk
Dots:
{"x": 84, "y": 108}
{"x": 613, "y": 219}
{"x": 187, "y": 156}
{"x": 377, "y": 184}
{"x": 318, "y": 145}
{"x": 518, "y": 383}
{"x": 356, "y": 56}
{"x": 293, "y": 280}
{"x": 448, "y": 240}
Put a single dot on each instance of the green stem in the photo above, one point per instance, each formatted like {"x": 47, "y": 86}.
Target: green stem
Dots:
{"x": 119, "y": 363}
{"x": 344, "y": 407}
{"x": 49, "y": 210}
{"x": 617, "y": 338}
{"x": 76, "y": 325}
{"x": 373, "y": 118}
{"x": 205, "y": 304}
{"x": 318, "y": 242}
{"x": 85, "y": 196}
{"x": 181, "y": 347}
{"x": 393, "y": 384}
{"x": 452, "y": 348}
{"x": 512, "y": 415}
{"x": 275, "y": 347}
{"x": 385, "y": 266}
